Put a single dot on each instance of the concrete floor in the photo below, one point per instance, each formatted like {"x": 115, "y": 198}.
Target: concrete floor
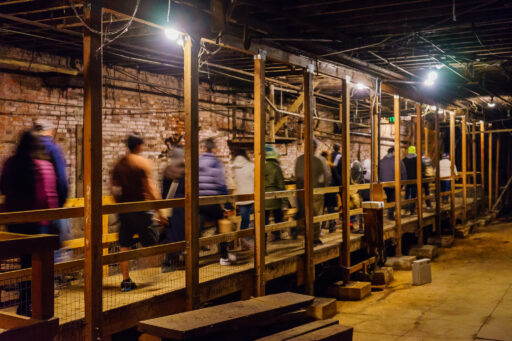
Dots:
{"x": 470, "y": 297}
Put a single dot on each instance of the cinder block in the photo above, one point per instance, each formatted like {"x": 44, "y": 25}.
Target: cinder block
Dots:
{"x": 462, "y": 231}
{"x": 322, "y": 308}
{"x": 352, "y": 291}
{"x": 401, "y": 263}
{"x": 424, "y": 251}
{"x": 383, "y": 276}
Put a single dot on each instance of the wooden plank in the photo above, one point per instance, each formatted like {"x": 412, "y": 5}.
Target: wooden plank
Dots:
{"x": 345, "y": 177}
{"x": 300, "y": 330}
{"x": 14, "y": 244}
{"x": 191, "y": 90}
{"x": 398, "y": 187}
{"x": 464, "y": 168}
{"x": 225, "y": 317}
{"x": 93, "y": 97}
{"x": 42, "y": 285}
{"x": 332, "y": 333}
{"x": 38, "y": 215}
{"x": 438, "y": 182}
{"x": 309, "y": 268}
{"x": 490, "y": 187}
{"x": 259, "y": 173}
{"x": 12, "y": 320}
{"x": 419, "y": 175}
{"x": 40, "y": 330}
{"x": 143, "y": 252}
{"x": 452, "y": 170}
{"x": 475, "y": 173}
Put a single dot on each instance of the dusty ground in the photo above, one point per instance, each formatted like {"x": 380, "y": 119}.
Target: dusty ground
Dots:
{"x": 470, "y": 297}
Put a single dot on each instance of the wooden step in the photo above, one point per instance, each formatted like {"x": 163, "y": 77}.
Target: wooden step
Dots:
{"x": 332, "y": 333}
{"x": 300, "y": 330}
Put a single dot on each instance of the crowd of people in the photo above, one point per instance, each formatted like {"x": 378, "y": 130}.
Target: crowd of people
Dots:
{"x": 35, "y": 178}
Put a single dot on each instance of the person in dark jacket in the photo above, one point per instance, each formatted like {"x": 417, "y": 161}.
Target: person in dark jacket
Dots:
{"x": 331, "y": 199}
{"x": 28, "y": 183}
{"x": 212, "y": 182}
{"x": 387, "y": 173}
{"x": 427, "y": 171}
{"x": 411, "y": 191}
{"x": 274, "y": 181}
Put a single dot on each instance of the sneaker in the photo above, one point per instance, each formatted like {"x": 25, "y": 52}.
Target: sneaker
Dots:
{"x": 127, "y": 285}
{"x": 225, "y": 261}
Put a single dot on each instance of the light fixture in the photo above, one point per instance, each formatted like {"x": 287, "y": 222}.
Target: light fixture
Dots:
{"x": 180, "y": 41}
{"x": 172, "y": 34}
{"x": 441, "y": 111}
{"x": 361, "y": 86}
{"x": 439, "y": 66}
{"x": 434, "y": 108}
{"x": 491, "y": 104}
{"x": 431, "y": 77}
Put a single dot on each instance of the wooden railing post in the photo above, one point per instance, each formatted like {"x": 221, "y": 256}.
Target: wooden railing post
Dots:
{"x": 475, "y": 178}
{"x": 191, "y": 93}
{"x": 309, "y": 265}
{"x": 419, "y": 175}
{"x": 345, "y": 178}
{"x": 259, "y": 171}
{"x": 42, "y": 285}
{"x": 464, "y": 170}
{"x": 490, "y": 187}
{"x": 482, "y": 164}
{"x": 438, "y": 180}
{"x": 93, "y": 172}
{"x": 497, "y": 168}
{"x": 398, "y": 185}
{"x": 452, "y": 170}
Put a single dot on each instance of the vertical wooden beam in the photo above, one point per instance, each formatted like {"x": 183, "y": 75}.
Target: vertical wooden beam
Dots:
{"x": 345, "y": 177}
{"x": 497, "y": 168}
{"x": 473, "y": 160}
{"x": 272, "y": 116}
{"x": 426, "y": 142}
{"x": 482, "y": 162}
{"x": 464, "y": 169}
{"x": 452, "y": 170}
{"x": 490, "y": 187}
{"x": 259, "y": 171}
{"x": 375, "y": 143}
{"x": 42, "y": 285}
{"x": 308, "y": 181}
{"x": 191, "y": 100}
{"x": 398, "y": 185}
{"x": 419, "y": 177}
{"x": 93, "y": 89}
{"x": 438, "y": 181}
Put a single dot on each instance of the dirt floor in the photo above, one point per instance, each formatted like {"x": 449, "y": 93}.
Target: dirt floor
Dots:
{"x": 470, "y": 297}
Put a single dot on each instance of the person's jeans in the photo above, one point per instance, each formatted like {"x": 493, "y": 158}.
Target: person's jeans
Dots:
{"x": 390, "y": 193}
{"x": 426, "y": 189}
{"x": 245, "y": 214}
{"x": 446, "y": 185}
{"x": 411, "y": 192}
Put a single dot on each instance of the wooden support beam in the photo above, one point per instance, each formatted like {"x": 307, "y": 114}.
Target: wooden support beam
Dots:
{"x": 375, "y": 142}
{"x": 398, "y": 187}
{"x": 490, "y": 187}
{"x": 345, "y": 178}
{"x": 475, "y": 177}
{"x": 497, "y": 168}
{"x": 419, "y": 178}
{"x": 191, "y": 97}
{"x": 482, "y": 161}
{"x": 464, "y": 169}
{"x": 42, "y": 285}
{"x": 259, "y": 172}
{"x": 438, "y": 182}
{"x": 93, "y": 172}
{"x": 452, "y": 170}
{"x": 309, "y": 101}
{"x": 272, "y": 115}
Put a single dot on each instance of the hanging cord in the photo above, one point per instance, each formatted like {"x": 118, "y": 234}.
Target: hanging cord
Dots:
{"x": 454, "y": 16}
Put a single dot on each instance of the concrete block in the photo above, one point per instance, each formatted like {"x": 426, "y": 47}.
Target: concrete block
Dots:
{"x": 383, "y": 276}
{"x": 424, "y": 251}
{"x": 401, "y": 263}
{"x": 352, "y": 291}
{"x": 421, "y": 273}
{"x": 462, "y": 231}
{"x": 322, "y": 308}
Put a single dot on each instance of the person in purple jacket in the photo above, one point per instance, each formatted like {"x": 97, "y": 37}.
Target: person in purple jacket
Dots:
{"x": 212, "y": 182}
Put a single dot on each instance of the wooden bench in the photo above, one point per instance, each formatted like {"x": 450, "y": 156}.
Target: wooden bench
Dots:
{"x": 271, "y": 318}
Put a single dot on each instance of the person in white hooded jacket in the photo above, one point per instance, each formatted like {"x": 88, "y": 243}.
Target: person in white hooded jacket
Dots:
{"x": 444, "y": 172}
{"x": 243, "y": 173}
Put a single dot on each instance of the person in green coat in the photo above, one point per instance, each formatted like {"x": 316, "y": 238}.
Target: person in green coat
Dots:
{"x": 274, "y": 181}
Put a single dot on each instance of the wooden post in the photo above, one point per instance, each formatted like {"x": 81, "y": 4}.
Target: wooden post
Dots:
{"x": 438, "y": 181}
{"x": 497, "y": 168}
{"x": 93, "y": 89}
{"x": 398, "y": 185}
{"x": 482, "y": 162}
{"x": 375, "y": 144}
{"x": 42, "y": 285}
{"x": 464, "y": 169}
{"x": 490, "y": 172}
{"x": 426, "y": 142}
{"x": 191, "y": 100}
{"x": 272, "y": 115}
{"x": 452, "y": 170}
{"x": 259, "y": 172}
{"x": 345, "y": 178}
{"x": 308, "y": 181}
{"x": 475, "y": 178}
{"x": 419, "y": 177}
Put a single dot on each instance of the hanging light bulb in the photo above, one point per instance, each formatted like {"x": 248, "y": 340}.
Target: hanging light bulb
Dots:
{"x": 491, "y": 104}
{"x": 431, "y": 77}
{"x": 180, "y": 41}
{"x": 172, "y": 34}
